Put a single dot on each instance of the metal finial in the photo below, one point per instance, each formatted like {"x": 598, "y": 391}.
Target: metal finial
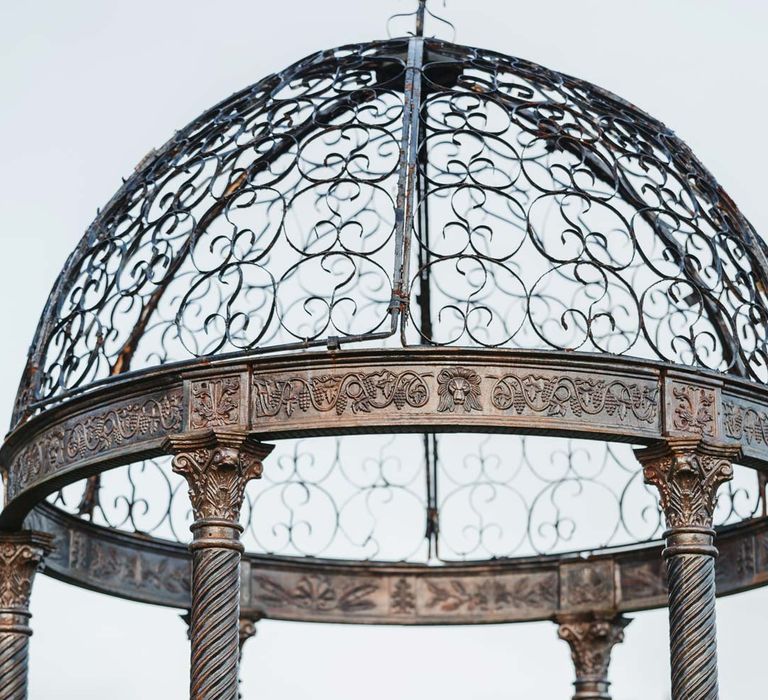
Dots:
{"x": 420, "y": 17}
{"x": 420, "y": 13}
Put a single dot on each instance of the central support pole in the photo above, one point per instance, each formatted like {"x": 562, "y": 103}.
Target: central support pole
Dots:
{"x": 687, "y": 473}
{"x": 217, "y": 465}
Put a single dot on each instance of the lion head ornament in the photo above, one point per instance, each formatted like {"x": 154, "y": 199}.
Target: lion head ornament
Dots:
{"x": 458, "y": 388}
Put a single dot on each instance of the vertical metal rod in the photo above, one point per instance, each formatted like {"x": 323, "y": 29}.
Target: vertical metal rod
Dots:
{"x": 21, "y": 554}
{"x": 420, "y": 17}
{"x": 406, "y": 180}
{"x": 433, "y": 522}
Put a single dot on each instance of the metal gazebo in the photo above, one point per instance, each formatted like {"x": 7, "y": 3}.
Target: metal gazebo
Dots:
{"x": 481, "y": 334}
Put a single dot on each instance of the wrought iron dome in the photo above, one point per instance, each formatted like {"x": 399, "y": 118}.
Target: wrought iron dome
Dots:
{"x": 428, "y": 297}
{"x": 398, "y": 193}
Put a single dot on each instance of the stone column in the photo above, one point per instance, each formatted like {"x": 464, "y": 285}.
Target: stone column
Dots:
{"x": 21, "y": 554}
{"x": 592, "y": 637}
{"x": 217, "y": 464}
{"x": 687, "y": 472}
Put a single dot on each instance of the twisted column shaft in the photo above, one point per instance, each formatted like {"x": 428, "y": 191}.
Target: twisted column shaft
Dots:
{"x": 217, "y": 464}
{"x": 14, "y": 665}
{"x": 692, "y": 626}
{"x": 687, "y": 473}
{"x": 21, "y": 554}
{"x": 214, "y": 626}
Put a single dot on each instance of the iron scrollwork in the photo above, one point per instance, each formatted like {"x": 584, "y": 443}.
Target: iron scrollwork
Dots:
{"x": 532, "y": 211}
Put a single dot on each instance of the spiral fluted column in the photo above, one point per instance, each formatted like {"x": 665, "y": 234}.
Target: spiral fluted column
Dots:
{"x": 21, "y": 554}
{"x": 592, "y": 637}
{"x": 687, "y": 473}
{"x": 217, "y": 464}
{"x": 247, "y": 630}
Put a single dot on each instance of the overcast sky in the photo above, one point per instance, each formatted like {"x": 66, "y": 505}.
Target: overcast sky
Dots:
{"x": 89, "y": 87}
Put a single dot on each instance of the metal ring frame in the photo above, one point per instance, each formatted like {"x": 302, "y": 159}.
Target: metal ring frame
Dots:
{"x": 49, "y": 451}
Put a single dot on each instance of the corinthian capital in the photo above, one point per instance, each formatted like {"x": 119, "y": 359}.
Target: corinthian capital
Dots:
{"x": 217, "y": 465}
{"x": 21, "y": 554}
{"x": 592, "y": 637}
{"x": 687, "y": 473}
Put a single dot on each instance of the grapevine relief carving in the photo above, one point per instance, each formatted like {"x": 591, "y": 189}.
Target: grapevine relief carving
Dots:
{"x": 360, "y": 392}
{"x": 558, "y": 396}
{"x": 745, "y": 423}
{"x": 92, "y": 434}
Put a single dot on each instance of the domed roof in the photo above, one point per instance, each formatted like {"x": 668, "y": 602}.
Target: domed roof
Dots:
{"x": 409, "y": 192}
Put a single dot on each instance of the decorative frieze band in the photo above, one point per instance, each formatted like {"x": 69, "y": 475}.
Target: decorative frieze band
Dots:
{"x": 353, "y": 392}
{"x": 556, "y": 395}
{"x": 271, "y": 400}
{"x": 746, "y": 422}
{"x": 406, "y": 599}
{"x": 471, "y": 395}
{"x": 96, "y": 435}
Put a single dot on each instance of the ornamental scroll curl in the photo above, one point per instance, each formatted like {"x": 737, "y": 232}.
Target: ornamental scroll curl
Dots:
{"x": 268, "y": 222}
{"x": 543, "y": 213}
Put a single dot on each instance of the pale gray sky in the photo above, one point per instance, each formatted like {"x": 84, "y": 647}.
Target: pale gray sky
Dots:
{"x": 89, "y": 87}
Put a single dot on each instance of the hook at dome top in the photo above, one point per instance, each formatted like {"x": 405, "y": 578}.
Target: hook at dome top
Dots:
{"x": 420, "y": 13}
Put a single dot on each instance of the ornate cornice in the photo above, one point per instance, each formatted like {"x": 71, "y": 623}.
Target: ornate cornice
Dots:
{"x": 305, "y": 394}
{"x": 21, "y": 555}
{"x": 687, "y": 473}
{"x": 217, "y": 464}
